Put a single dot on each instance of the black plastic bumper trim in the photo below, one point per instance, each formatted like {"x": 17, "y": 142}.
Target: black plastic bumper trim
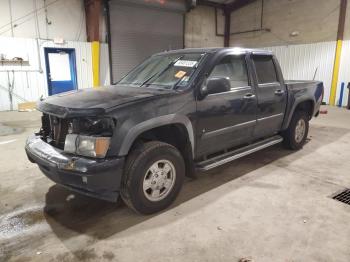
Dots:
{"x": 99, "y": 178}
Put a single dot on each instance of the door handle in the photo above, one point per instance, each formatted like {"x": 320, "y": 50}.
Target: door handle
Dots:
{"x": 249, "y": 96}
{"x": 279, "y": 92}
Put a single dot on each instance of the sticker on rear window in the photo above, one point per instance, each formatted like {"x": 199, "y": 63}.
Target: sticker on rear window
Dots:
{"x": 185, "y": 63}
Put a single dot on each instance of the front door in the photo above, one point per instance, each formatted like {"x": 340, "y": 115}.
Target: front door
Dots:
{"x": 227, "y": 119}
{"x": 272, "y": 96}
{"x": 60, "y": 70}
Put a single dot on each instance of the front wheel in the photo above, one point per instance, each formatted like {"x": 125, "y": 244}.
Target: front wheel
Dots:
{"x": 153, "y": 177}
{"x": 296, "y": 134}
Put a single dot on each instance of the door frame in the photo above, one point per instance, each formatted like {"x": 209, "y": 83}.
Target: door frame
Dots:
{"x": 72, "y": 64}
{"x": 229, "y": 129}
{"x": 269, "y": 124}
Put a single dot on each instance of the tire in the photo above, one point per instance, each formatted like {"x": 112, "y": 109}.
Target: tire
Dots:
{"x": 149, "y": 190}
{"x": 298, "y": 124}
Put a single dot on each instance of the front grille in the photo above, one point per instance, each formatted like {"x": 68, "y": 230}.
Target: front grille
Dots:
{"x": 54, "y": 130}
{"x": 343, "y": 196}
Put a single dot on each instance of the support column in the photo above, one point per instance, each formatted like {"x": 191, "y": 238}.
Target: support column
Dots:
{"x": 227, "y": 31}
{"x": 340, "y": 36}
{"x": 92, "y": 14}
{"x": 95, "y": 50}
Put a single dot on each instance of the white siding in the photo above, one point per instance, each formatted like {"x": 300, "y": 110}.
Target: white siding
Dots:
{"x": 66, "y": 18}
{"x": 299, "y": 62}
{"x": 344, "y": 72}
{"x": 104, "y": 65}
{"x": 29, "y": 81}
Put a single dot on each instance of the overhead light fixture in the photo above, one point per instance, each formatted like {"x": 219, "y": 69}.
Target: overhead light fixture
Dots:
{"x": 58, "y": 41}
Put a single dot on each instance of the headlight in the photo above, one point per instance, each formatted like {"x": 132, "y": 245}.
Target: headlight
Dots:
{"x": 87, "y": 145}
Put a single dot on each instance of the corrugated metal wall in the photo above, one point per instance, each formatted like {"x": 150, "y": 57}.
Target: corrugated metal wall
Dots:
{"x": 104, "y": 65}
{"x": 344, "y": 72}
{"x": 300, "y": 62}
{"x": 30, "y": 81}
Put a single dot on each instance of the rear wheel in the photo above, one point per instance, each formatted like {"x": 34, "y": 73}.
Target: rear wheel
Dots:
{"x": 296, "y": 134}
{"x": 154, "y": 174}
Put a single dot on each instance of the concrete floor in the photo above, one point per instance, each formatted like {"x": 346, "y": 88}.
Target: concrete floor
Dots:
{"x": 273, "y": 205}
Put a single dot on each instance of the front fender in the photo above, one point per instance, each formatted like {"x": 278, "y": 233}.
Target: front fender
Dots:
{"x": 138, "y": 129}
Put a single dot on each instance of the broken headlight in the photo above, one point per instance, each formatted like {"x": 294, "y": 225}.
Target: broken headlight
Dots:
{"x": 92, "y": 126}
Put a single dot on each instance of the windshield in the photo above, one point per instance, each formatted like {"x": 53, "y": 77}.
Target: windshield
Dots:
{"x": 165, "y": 71}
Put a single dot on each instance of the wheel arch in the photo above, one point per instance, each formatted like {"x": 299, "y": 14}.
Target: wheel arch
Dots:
{"x": 307, "y": 105}
{"x": 173, "y": 120}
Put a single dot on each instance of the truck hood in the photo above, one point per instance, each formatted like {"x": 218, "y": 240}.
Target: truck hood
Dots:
{"x": 94, "y": 101}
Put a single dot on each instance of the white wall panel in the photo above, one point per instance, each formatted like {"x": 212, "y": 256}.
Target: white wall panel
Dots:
{"x": 104, "y": 65}
{"x": 83, "y": 60}
{"x": 299, "y": 62}
{"x": 344, "y": 72}
{"x": 29, "y": 81}
{"x": 66, "y": 18}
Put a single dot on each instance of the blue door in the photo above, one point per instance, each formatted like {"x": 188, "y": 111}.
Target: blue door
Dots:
{"x": 60, "y": 69}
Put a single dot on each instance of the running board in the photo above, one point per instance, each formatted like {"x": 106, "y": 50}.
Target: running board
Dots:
{"x": 238, "y": 153}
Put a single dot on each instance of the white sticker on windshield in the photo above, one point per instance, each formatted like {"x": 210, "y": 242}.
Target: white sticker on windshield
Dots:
{"x": 185, "y": 63}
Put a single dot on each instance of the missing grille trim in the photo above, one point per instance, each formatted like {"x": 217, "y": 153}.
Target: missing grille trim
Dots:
{"x": 343, "y": 196}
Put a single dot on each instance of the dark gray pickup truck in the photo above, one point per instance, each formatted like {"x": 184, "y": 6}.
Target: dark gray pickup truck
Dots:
{"x": 176, "y": 113}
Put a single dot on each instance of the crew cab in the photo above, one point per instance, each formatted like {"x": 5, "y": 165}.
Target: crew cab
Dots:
{"x": 176, "y": 113}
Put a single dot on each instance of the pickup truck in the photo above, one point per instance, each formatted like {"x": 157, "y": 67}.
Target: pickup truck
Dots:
{"x": 176, "y": 113}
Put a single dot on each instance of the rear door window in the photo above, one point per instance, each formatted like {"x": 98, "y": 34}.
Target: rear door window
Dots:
{"x": 265, "y": 69}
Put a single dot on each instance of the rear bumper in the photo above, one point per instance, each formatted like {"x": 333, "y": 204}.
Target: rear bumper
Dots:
{"x": 99, "y": 178}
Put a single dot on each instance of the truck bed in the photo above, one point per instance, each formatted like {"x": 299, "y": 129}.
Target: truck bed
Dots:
{"x": 301, "y": 89}
{"x": 313, "y": 87}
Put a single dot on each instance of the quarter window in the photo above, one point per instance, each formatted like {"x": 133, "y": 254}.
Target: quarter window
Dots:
{"x": 265, "y": 69}
{"x": 234, "y": 68}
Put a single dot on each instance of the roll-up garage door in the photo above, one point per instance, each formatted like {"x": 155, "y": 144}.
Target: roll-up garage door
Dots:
{"x": 141, "y": 28}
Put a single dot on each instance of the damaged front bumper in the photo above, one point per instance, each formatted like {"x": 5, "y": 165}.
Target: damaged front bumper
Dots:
{"x": 99, "y": 178}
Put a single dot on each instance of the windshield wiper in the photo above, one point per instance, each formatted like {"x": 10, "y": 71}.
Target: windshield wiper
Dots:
{"x": 177, "y": 82}
{"x": 158, "y": 74}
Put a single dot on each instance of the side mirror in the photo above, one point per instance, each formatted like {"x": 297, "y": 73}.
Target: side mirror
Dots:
{"x": 216, "y": 85}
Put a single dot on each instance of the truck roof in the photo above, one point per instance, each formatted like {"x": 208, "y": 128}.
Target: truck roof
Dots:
{"x": 218, "y": 49}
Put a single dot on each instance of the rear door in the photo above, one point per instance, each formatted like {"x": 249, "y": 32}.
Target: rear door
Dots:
{"x": 227, "y": 119}
{"x": 272, "y": 95}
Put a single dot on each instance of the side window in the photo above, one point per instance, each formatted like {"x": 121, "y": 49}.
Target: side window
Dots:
{"x": 234, "y": 68}
{"x": 265, "y": 69}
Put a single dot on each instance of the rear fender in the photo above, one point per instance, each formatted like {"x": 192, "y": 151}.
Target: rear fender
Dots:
{"x": 295, "y": 105}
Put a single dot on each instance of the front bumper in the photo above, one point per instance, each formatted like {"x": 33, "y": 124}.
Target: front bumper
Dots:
{"x": 99, "y": 178}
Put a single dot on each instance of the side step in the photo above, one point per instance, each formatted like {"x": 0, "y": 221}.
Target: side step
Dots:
{"x": 238, "y": 153}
